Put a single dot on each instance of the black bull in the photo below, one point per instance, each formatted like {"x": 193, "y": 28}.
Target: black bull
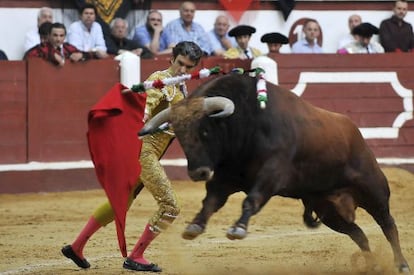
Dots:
{"x": 291, "y": 148}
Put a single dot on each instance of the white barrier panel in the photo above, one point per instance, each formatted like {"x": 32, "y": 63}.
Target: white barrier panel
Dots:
{"x": 270, "y": 67}
{"x": 130, "y": 68}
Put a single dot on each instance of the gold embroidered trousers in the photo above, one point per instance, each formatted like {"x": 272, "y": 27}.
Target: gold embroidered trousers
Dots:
{"x": 154, "y": 178}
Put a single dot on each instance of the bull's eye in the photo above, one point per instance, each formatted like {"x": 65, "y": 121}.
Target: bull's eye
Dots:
{"x": 204, "y": 133}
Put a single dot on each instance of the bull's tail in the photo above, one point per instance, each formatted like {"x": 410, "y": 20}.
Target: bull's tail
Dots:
{"x": 308, "y": 218}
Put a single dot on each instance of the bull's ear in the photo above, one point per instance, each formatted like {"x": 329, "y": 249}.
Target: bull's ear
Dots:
{"x": 154, "y": 123}
{"x": 222, "y": 105}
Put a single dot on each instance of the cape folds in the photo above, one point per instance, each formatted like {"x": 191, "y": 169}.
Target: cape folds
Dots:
{"x": 113, "y": 124}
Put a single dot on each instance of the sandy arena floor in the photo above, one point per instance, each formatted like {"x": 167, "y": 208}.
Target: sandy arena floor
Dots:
{"x": 34, "y": 227}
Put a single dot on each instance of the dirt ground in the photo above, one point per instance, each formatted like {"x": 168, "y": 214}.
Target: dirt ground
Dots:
{"x": 34, "y": 227}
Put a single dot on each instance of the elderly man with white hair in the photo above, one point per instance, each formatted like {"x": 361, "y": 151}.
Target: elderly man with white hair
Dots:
{"x": 32, "y": 37}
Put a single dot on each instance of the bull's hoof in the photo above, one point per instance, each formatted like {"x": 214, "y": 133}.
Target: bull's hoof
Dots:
{"x": 366, "y": 262}
{"x": 404, "y": 268}
{"x": 192, "y": 231}
{"x": 236, "y": 232}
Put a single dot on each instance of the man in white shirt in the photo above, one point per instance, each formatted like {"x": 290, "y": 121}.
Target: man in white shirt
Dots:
{"x": 353, "y": 21}
{"x": 32, "y": 37}
{"x": 86, "y": 34}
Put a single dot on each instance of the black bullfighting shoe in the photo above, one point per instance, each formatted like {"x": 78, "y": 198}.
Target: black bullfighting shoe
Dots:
{"x": 69, "y": 253}
{"x": 131, "y": 265}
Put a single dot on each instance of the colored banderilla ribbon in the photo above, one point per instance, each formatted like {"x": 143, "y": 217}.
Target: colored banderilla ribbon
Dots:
{"x": 261, "y": 88}
{"x": 260, "y": 85}
{"x": 161, "y": 83}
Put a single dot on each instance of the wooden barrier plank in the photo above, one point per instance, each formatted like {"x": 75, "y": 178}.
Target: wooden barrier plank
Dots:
{"x": 13, "y": 112}
{"x": 351, "y": 91}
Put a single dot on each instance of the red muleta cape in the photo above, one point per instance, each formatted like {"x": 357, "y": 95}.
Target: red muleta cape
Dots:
{"x": 113, "y": 125}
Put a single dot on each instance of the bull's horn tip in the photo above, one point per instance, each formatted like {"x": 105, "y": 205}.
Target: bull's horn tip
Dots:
{"x": 142, "y": 133}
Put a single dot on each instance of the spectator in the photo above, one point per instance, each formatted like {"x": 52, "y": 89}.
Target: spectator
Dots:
{"x": 395, "y": 34}
{"x": 242, "y": 33}
{"x": 32, "y": 37}
{"x": 118, "y": 42}
{"x": 3, "y": 55}
{"x": 185, "y": 29}
{"x": 153, "y": 36}
{"x": 86, "y": 34}
{"x": 309, "y": 44}
{"x": 274, "y": 41}
{"x": 219, "y": 38}
{"x": 363, "y": 44}
{"x": 353, "y": 21}
{"x": 43, "y": 33}
{"x": 55, "y": 49}
{"x": 108, "y": 10}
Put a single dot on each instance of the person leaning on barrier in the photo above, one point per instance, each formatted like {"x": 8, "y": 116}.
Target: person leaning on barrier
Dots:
{"x": 185, "y": 28}
{"x": 117, "y": 42}
{"x": 219, "y": 37}
{"x": 56, "y": 50}
{"x": 185, "y": 56}
{"x": 37, "y": 50}
{"x": 153, "y": 36}
{"x": 363, "y": 43}
{"x": 32, "y": 37}
{"x": 274, "y": 41}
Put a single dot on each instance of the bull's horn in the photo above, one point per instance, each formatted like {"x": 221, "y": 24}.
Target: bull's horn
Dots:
{"x": 152, "y": 125}
{"x": 218, "y": 103}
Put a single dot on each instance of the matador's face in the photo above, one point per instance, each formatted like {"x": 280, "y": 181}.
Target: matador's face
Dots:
{"x": 182, "y": 65}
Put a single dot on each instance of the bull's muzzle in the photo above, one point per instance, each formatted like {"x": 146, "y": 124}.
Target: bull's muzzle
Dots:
{"x": 201, "y": 174}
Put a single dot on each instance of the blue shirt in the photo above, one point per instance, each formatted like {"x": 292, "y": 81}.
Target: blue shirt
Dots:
{"x": 197, "y": 34}
{"x": 143, "y": 37}
{"x": 216, "y": 43}
{"x": 81, "y": 38}
{"x": 303, "y": 46}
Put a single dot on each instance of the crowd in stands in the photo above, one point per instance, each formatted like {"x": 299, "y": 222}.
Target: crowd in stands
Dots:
{"x": 86, "y": 39}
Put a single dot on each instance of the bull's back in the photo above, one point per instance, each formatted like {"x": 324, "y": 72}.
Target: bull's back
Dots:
{"x": 328, "y": 146}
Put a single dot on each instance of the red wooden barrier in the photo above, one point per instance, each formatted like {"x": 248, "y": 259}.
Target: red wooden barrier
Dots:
{"x": 58, "y": 103}
{"x": 375, "y": 103}
{"x": 13, "y": 112}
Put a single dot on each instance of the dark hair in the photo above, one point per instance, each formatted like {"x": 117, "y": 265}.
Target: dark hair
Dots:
{"x": 57, "y": 26}
{"x": 188, "y": 49}
{"x": 44, "y": 28}
{"x": 88, "y": 6}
